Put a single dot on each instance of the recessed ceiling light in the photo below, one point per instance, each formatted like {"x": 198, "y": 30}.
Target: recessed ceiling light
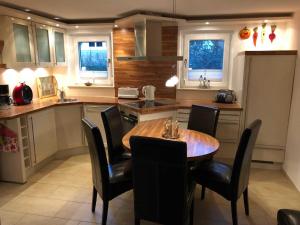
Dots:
{"x": 12, "y": 18}
{"x": 27, "y": 10}
{"x": 207, "y": 23}
{"x": 56, "y": 18}
{"x": 116, "y": 26}
{"x": 266, "y": 21}
{"x": 76, "y": 27}
{"x": 28, "y": 17}
{"x": 44, "y": 25}
{"x": 57, "y": 25}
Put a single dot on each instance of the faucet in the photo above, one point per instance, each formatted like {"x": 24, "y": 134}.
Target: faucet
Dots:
{"x": 62, "y": 94}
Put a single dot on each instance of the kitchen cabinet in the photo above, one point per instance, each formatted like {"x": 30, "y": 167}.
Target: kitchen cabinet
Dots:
{"x": 59, "y": 38}
{"x": 93, "y": 113}
{"x": 30, "y": 44}
{"x": 43, "y": 48}
{"x": 42, "y": 130}
{"x": 18, "y": 48}
{"x": 228, "y": 131}
{"x": 68, "y": 127}
{"x": 267, "y": 86}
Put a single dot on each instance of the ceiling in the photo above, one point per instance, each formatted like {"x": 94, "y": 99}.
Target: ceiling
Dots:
{"x": 92, "y": 9}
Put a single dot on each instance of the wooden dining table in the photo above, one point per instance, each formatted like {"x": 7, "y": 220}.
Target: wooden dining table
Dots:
{"x": 199, "y": 145}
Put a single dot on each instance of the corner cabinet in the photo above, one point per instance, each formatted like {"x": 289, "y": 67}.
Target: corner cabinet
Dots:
{"x": 18, "y": 48}
{"x": 42, "y": 132}
{"x": 30, "y": 44}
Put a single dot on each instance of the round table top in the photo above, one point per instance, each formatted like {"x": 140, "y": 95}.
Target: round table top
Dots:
{"x": 199, "y": 145}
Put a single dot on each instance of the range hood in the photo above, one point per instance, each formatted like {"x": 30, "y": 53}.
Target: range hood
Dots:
{"x": 148, "y": 42}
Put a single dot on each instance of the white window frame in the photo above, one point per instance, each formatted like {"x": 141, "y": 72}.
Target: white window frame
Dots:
{"x": 89, "y": 75}
{"x": 205, "y": 35}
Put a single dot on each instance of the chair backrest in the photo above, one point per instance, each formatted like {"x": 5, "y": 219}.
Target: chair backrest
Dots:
{"x": 242, "y": 161}
{"x": 204, "y": 119}
{"x": 98, "y": 157}
{"x": 113, "y": 126}
{"x": 159, "y": 179}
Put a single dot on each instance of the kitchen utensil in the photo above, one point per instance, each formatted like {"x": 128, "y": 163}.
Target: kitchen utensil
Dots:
{"x": 22, "y": 94}
{"x": 149, "y": 92}
{"x": 225, "y": 96}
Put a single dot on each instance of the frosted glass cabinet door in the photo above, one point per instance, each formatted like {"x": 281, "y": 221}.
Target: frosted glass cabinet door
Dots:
{"x": 22, "y": 43}
{"x": 43, "y": 47}
{"x": 59, "y": 47}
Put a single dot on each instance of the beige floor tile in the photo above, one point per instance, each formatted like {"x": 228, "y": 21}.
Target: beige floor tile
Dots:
{"x": 34, "y": 205}
{"x": 40, "y": 190}
{"x": 10, "y": 218}
{"x": 42, "y": 220}
{"x": 60, "y": 193}
{"x": 74, "y": 194}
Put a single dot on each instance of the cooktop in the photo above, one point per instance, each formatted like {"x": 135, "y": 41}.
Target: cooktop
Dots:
{"x": 150, "y": 104}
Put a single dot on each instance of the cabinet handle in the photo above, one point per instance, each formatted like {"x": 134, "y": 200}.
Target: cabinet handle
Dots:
{"x": 33, "y": 138}
{"x": 185, "y": 63}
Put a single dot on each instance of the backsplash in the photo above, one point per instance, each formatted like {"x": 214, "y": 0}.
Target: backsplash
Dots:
{"x": 13, "y": 77}
{"x": 141, "y": 73}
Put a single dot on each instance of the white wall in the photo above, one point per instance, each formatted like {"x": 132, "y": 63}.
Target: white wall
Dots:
{"x": 13, "y": 77}
{"x": 292, "y": 155}
{"x": 284, "y": 41}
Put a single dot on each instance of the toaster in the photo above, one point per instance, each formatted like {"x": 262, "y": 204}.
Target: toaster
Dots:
{"x": 225, "y": 96}
{"x": 128, "y": 93}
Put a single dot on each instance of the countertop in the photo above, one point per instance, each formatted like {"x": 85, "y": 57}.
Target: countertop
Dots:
{"x": 40, "y": 104}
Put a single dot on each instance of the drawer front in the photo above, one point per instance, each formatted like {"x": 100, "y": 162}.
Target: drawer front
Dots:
{"x": 228, "y": 131}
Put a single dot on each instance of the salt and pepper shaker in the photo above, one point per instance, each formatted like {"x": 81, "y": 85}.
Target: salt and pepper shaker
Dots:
{"x": 171, "y": 129}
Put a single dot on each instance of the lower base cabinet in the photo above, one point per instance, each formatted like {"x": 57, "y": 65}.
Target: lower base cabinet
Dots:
{"x": 228, "y": 131}
{"x": 42, "y": 132}
{"x": 93, "y": 113}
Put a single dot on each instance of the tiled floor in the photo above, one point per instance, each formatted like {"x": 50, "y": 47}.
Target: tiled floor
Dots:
{"x": 60, "y": 194}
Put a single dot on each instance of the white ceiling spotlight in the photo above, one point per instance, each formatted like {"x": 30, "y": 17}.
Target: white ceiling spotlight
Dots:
{"x": 28, "y": 17}
{"x": 76, "y": 26}
{"x": 56, "y": 18}
{"x": 27, "y": 10}
{"x": 116, "y": 26}
{"x": 57, "y": 25}
{"x": 207, "y": 23}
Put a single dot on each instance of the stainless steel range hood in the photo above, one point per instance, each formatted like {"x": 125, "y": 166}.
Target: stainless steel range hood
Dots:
{"x": 148, "y": 42}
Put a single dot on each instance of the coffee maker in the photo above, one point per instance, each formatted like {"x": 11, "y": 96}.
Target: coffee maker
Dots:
{"x": 5, "y": 99}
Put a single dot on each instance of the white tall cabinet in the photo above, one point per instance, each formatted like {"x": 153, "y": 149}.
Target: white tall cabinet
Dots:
{"x": 265, "y": 93}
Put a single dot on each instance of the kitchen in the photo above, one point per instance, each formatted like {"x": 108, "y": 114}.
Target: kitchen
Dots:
{"x": 150, "y": 66}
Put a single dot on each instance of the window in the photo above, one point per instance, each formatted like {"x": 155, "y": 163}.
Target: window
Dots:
{"x": 206, "y": 55}
{"x": 94, "y": 60}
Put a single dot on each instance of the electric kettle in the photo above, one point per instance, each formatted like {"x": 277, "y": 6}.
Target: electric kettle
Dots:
{"x": 149, "y": 92}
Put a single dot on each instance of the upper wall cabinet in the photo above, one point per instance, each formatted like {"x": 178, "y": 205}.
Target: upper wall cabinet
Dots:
{"x": 42, "y": 45}
{"x": 18, "y": 48}
{"x": 59, "y": 47}
{"x": 29, "y": 44}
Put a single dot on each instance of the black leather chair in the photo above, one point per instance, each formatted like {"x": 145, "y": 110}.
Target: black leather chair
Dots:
{"x": 204, "y": 119}
{"x": 109, "y": 180}
{"x": 114, "y": 131}
{"x": 231, "y": 182}
{"x": 288, "y": 217}
{"x": 163, "y": 190}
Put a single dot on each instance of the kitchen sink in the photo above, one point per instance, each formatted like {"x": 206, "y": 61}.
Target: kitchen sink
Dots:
{"x": 67, "y": 100}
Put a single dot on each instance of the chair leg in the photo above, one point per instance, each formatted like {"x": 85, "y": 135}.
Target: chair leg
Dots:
{"x": 234, "y": 213}
{"x": 192, "y": 213}
{"x": 95, "y": 193}
{"x": 104, "y": 213}
{"x": 202, "y": 193}
{"x": 136, "y": 220}
{"x": 246, "y": 202}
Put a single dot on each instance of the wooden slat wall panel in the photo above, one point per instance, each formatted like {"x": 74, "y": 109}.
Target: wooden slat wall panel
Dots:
{"x": 141, "y": 73}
